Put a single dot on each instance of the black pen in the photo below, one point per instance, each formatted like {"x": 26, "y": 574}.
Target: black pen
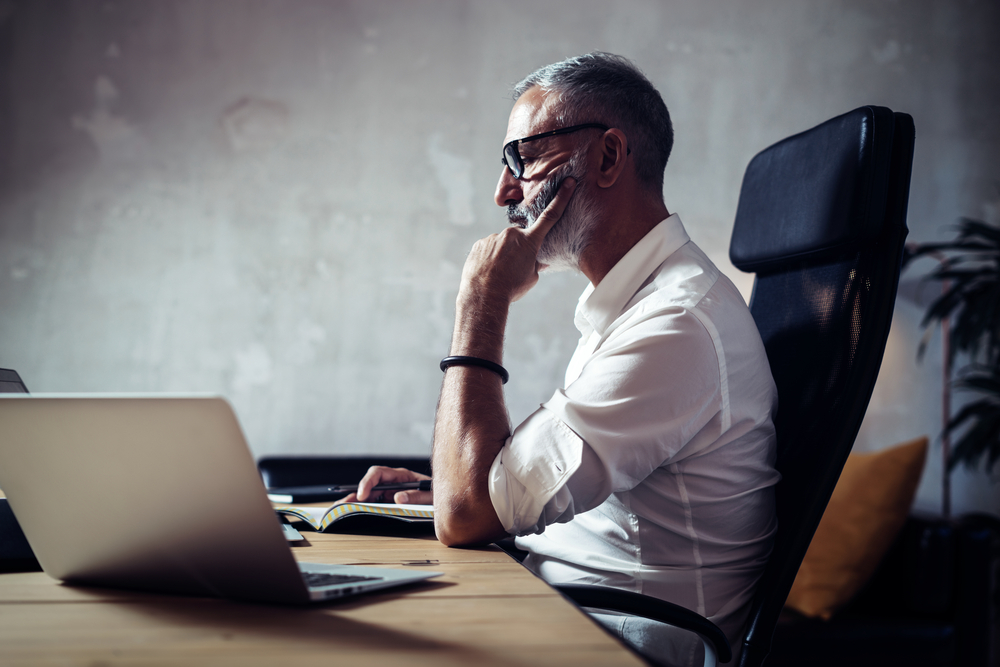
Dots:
{"x": 330, "y": 492}
{"x": 422, "y": 485}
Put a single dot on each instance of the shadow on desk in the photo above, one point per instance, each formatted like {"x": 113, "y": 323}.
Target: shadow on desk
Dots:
{"x": 320, "y": 627}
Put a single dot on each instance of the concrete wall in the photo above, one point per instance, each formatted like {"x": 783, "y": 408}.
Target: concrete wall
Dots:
{"x": 273, "y": 200}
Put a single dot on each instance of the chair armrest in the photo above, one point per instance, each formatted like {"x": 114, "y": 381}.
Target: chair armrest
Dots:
{"x": 635, "y": 604}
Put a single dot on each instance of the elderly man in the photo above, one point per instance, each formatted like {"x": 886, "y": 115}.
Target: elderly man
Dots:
{"x": 651, "y": 469}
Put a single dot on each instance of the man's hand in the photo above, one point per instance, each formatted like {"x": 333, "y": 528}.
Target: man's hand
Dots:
{"x": 383, "y": 475}
{"x": 505, "y": 265}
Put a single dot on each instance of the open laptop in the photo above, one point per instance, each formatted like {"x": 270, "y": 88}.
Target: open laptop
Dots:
{"x": 157, "y": 494}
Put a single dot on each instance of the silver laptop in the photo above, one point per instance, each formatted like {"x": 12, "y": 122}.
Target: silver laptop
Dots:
{"x": 156, "y": 494}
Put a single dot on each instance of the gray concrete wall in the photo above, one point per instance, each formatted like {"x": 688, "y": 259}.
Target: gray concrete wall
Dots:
{"x": 273, "y": 200}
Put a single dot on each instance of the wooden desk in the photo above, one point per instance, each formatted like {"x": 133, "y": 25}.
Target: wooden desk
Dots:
{"x": 486, "y": 610}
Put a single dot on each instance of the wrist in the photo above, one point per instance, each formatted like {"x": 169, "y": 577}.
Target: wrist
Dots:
{"x": 477, "y": 362}
{"x": 479, "y": 328}
{"x": 485, "y": 288}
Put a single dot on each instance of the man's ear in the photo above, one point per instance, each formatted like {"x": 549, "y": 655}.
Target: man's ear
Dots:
{"x": 614, "y": 153}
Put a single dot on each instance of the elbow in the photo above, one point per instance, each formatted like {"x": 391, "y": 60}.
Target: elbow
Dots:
{"x": 457, "y": 531}
{"x": 448, "y": 536}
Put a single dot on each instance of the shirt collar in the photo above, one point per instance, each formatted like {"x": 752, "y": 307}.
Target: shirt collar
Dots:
{"x": 600, "y": 306}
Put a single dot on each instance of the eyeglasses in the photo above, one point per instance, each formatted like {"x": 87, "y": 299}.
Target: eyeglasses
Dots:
{"x": 512, "y": 157}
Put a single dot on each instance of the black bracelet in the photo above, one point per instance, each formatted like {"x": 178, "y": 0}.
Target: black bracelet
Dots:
{"x": 476, "y": 361}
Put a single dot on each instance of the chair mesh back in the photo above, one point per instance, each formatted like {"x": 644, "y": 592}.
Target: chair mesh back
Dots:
{"x": 824, "y": 319}
{"x": 811, "y": 321}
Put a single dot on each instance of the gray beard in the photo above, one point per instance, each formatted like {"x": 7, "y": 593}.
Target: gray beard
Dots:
{"x": 566, "y": 241}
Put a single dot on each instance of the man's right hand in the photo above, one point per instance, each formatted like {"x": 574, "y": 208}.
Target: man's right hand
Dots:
{"x": 506, "y": 264}
{"x": 383, "y": 475}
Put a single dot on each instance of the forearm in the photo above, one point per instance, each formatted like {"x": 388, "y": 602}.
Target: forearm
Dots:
{"x": 471, "y": 426}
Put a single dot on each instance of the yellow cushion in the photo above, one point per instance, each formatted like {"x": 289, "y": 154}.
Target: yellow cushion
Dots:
{"x": 867, "y": 509}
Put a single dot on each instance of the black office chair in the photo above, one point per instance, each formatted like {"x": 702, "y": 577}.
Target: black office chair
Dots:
{"x": 821, "y": 220}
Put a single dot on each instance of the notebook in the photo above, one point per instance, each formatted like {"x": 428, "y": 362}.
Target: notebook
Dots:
{"x": 325, "y": 518}
{"x": 156, "y": 493}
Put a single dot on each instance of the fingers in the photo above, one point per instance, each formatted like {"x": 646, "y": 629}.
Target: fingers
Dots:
{"x": 400, "y": 498}
{"x": 414, "y": 498}
{"x": 349, "y": 498}
{"x": 550, "y": 216}
{"x": 383, "y": 475}
{"x": 371, "y": 478}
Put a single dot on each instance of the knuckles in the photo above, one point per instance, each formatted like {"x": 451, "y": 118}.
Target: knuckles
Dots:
{"x": 509, "y": 236}
{"x": 505, "y": 240}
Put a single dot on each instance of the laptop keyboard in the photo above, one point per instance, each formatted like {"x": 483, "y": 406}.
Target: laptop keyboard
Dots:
{"x": 328, "y": 579}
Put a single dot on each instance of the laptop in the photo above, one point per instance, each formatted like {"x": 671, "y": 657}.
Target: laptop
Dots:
{"x": 156, "y": 493}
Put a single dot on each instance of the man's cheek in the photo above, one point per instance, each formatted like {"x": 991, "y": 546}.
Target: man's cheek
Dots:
{"x": 543, "y": 198}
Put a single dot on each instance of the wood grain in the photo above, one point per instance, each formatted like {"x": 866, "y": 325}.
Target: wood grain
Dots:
{"x": 486, "y": 610}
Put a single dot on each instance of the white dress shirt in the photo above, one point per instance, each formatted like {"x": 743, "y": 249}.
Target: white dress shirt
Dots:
{"x": 652, "y": 470}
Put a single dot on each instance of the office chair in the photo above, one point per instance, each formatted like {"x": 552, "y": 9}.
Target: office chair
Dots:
{"x": 821, "y": 220}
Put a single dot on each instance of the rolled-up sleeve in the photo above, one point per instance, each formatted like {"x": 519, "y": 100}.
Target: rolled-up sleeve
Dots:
{"x": 531, "y": 470}
{"x": 644, "y": 399}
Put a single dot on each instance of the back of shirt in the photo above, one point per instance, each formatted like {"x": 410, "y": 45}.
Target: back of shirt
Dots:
{"x": 666, "y": 425}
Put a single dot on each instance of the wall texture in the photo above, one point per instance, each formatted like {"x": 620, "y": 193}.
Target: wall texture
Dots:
{"x": 273, "y": 200}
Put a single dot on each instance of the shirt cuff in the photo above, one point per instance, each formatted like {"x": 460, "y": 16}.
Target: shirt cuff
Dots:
{"x": 532, "y": 467}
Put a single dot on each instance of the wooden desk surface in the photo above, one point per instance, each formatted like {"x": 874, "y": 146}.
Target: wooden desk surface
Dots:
{"x": 486, "y": 610}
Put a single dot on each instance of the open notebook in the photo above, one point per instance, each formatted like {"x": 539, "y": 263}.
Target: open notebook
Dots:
{"x": 156, "y": 493}
{"x": 323, "y": 518}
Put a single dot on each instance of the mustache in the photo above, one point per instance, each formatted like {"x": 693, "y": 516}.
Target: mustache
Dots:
{"x": 517, "y": 215}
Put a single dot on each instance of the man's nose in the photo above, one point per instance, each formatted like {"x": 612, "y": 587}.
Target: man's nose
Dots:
{"x": 508, "y": 189}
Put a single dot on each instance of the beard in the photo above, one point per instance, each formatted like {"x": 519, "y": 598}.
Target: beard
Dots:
{"x": 566, "y": 241}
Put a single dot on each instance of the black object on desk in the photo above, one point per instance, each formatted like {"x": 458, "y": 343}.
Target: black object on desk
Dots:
{"x": 11, "y": 383}
{"x": 15, "y": 552}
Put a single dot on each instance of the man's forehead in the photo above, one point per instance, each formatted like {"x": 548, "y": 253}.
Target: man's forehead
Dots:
{"x": 532, "y": 114}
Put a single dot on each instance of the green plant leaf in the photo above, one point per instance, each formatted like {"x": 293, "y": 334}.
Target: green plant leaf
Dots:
{"x": 969, "y": 267}
{"x": 981, "y": 438}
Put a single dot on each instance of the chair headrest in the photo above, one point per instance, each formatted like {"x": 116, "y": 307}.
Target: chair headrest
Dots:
{"x": 815, "y": 196}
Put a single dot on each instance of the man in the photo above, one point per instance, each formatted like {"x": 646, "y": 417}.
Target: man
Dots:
{"x": 651, "y": 470}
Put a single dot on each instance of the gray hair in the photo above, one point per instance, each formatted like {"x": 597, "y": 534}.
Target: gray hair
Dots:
{"x": 604, "y": 88}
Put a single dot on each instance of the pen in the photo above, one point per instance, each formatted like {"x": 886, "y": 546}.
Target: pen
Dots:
{"x": 324, "y": 492}
{"x": 422, "y": 485}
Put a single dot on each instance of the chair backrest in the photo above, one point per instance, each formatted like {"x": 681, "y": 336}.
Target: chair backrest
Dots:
{"x": 822, "y": 221}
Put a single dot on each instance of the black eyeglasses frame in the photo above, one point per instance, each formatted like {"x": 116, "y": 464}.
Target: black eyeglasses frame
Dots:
{"x": 512, "y": 156}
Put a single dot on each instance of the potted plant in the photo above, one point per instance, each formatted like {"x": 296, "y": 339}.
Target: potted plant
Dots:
{"x": 969, "y": 271}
